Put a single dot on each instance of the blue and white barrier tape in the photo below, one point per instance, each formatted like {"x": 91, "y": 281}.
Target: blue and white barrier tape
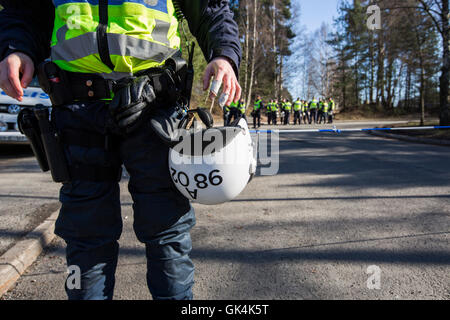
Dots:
{"x": 336, "y": 130}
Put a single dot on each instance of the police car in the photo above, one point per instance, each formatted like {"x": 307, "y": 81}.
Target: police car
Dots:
{"x": 9, "y": 109}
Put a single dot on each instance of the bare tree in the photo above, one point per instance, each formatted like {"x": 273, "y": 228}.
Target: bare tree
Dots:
{"x": 252, "y": 69}
{"x": 274, "y": 46}
{"x": 438, "y": 11}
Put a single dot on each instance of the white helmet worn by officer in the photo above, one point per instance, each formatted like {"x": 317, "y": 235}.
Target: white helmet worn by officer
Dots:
{"x": 214, "y": 165}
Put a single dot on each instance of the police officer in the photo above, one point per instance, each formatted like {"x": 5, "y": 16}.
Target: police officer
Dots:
{"x": 305, "y": 112}
{"x": 97, "y": 46}
{"x": 319, "y": 111}
{"x": 234, "y": 111}
{"x": 325, "y": 110}
{"x": 256, "y": 114}
{"x": 269, "y": 112}
{"x": 275, "y": 112}
{"x": 331, "y": 112}
{"x": 313, "y": 105}
{"x": 282, "y": 112}
{"x": 287, "y": 112}
{"x": 298, "y": 111}
{"x": 242, "y": 108}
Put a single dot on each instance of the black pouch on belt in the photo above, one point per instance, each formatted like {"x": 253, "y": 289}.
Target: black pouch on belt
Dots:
{"x": 52, "y": 145}
{"x": 29, "y": 126}
{"x": 55, "y": 83}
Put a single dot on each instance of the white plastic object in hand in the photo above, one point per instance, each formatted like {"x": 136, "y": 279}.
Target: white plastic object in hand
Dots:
{"x": 223, "y": 99}
{"x": 215, "y": 87}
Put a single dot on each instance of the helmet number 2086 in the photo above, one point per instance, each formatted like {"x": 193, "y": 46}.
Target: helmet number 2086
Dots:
{"x": 201, "y": 180}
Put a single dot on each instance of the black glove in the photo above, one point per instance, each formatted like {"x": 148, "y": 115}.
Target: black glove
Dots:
{"x": 166, "y": 123}
{"x": 133, "y": 100}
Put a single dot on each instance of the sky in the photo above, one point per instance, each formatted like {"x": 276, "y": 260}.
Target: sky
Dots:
{"x": 314, "y": 12}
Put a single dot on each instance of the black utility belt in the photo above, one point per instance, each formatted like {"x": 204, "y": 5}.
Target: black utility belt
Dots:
{"x": 64, "y": 87}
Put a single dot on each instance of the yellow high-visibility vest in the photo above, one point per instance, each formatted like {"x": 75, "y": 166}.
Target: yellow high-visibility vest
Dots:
{"x": 113, "y": 38}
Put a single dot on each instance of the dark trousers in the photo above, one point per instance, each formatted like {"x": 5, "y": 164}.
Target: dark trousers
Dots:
{"x": 297, "y": 117}
{"x": 319, "y": 116}
{"x": 234, "y": 114}
{"x": 306, "y": 117}
{"x": 324, "y": 117}
{"x": 274, "y": 118}
{"x": 313, "y": 116}
{"x": 256, "y": 119}
{"x": 90, "y": 219}
{"x": 269, "y": 117}
{"x": 287, "y": 117}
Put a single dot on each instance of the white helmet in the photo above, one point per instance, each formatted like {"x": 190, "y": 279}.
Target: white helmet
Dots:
{"x": 215, "y": 165}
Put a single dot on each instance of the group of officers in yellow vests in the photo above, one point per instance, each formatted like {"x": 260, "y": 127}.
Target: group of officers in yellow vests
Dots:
{"x": 315, "y": 111}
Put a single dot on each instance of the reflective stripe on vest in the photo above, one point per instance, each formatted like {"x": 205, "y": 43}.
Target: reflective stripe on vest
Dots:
{"x": 313, "y": 104}
{"x": 257, "y": 105}
{"x": 140, "y": 34}
{"x": 288, "y": 106}
{"x": 297, "y": 105}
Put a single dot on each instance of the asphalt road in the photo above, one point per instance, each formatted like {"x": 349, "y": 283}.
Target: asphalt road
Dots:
{"x": 339, "y": 205}
{"x": 27, "y": 196}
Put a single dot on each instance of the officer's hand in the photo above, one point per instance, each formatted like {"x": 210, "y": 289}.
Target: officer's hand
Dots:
{"x": 223, "y": 72}
{"x": 11, "y": 69}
